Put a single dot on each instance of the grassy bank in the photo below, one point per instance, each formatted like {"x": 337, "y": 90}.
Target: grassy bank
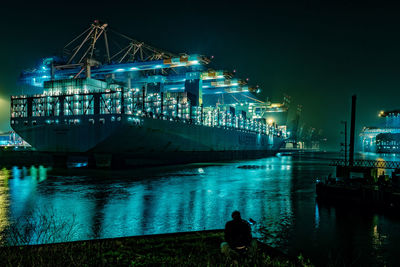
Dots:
{"x": 189, "y": 249}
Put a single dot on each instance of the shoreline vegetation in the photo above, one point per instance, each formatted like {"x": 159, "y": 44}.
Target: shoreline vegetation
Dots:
{"x": 200, "y": 248}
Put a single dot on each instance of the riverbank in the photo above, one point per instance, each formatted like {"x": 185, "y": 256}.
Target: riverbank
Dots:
{"x": 189, "y": 248}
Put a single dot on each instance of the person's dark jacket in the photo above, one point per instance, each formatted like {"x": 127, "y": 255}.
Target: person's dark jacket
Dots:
{"x": 238, "y": 233}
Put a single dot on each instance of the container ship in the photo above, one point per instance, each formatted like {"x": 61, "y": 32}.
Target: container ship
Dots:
{"x": 136, "y": 104}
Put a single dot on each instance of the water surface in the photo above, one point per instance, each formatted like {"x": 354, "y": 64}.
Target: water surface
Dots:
{"x": 277, "y": 192}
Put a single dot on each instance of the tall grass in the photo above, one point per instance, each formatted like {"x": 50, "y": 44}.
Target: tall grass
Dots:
{"x": 39, "y": 227}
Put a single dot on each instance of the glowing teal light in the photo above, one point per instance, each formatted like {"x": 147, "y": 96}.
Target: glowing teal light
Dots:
{"x": 119, "y": 70}
{"x": 157, "y": 66}
{"x": 134, "y": 68}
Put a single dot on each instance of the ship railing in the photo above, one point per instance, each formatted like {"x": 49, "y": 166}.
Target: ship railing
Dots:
{"x": 194, "y": 121}
{"x": 84, "y": 104}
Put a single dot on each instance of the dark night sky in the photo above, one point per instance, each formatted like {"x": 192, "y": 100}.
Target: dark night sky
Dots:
{"x": 320, "y": 53}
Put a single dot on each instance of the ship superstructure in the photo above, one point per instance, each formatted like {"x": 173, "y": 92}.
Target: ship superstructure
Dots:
{"x": 140, "y": 103}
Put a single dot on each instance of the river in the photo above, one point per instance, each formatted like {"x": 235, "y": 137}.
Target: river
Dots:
{"x": 277, "y": 192}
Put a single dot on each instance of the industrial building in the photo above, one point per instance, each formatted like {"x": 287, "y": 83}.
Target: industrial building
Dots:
{"x": 384, "y": 139}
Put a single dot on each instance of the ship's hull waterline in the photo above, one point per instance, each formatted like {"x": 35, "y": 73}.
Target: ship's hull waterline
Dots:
{"x": 142, "y": 140}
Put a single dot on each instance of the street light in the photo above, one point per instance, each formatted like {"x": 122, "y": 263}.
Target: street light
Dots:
{"x": 270, "y": 121}
{"x": 345, "y": 141}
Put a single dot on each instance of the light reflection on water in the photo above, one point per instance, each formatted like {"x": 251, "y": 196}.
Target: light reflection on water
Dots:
{"x": 277, "y": 192}
{"x": 4, "y": 199}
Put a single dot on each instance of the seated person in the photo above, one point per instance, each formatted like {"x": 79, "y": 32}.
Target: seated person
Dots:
{"x": 237, "y": 235}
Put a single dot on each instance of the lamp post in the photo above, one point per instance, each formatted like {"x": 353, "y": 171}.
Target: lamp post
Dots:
{"x": 345, "y": 142}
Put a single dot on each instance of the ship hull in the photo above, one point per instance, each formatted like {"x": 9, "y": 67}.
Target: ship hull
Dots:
{"x": 143, "y": 140}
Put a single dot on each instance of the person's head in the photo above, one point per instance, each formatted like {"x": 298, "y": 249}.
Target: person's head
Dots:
{"x": 236, "y": 215}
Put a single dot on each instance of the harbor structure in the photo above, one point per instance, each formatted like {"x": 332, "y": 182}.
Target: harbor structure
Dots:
{"x": 385, "y": 139}
{"x": 11, "y": 139}
{"x": 371, "y": 183}
{"x": 140, "y": 104}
